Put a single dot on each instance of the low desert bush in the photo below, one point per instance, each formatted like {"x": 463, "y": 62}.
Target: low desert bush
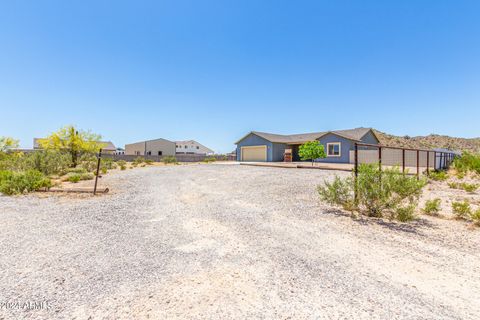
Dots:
{"x": 76, "y": 177}
{"x": 122, "y": 164}
{"x": 209, "y": 159}
{"x": 475, "y": 216}
{"x": 432, "y": 207}
{"x": 148, "y": 161}
{"x": 405, "y": 214}
{"x": 88, "y": 162}
{"x": 138, "y": 160}
{"x": 461, "y": 209}
{"x": 438, "y": 175}
{"x": 78, "y": 170}
{"x": 467, "y": 162}
{"x": 169, "y": 159}
{"x": 379, "y": 193}
{"x": 453, "y": 185}
{"x": 469, "y": 187}
{"x": 20, "y": 182}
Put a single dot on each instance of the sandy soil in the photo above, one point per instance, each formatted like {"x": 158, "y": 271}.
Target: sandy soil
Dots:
{"x": 226, "y": 241}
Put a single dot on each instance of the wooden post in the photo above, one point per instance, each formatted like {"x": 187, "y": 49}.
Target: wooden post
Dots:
{"x": 418, "y": 164}
{"x": 403, "y": 161}
{"x": 98, "y": 171}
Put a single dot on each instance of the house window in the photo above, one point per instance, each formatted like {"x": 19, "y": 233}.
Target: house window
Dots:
{"x": 159, "y": 153}
{"x": 198, "y": 147}
{"x": 185, "y": 147}
{"x": 333, "y": 149}
{"x": 149, "y": 153}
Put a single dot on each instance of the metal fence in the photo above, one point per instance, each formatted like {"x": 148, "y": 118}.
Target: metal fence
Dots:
{"x": 416, "y": 161}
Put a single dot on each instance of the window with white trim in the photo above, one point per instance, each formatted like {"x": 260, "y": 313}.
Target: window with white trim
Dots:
{"x": 333, "y": 149}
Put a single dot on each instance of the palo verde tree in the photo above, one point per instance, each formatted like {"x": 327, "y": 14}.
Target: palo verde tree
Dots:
{"x": 311, "y": 150}
{"x": 75, "y": 142}
{"x": 7, "y": 143}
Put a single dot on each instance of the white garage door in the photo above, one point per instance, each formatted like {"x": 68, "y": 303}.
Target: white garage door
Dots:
{"x": 254, "y": 153}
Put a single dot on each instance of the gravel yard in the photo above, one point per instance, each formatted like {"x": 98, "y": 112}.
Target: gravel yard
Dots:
{"x": 227, "y": 241}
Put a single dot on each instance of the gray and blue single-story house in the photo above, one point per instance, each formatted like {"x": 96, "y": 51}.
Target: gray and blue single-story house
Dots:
{"x": 269, "y": 147}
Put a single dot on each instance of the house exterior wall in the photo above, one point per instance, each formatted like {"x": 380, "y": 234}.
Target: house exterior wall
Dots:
{"x": 345, "y": 146}
{"x": 154, "y": 146}
{"x": 278, "y": 151}
{"x": 254, "y": 140}
{"x": 369, "y": 137}
{"x": 192, "y": 147}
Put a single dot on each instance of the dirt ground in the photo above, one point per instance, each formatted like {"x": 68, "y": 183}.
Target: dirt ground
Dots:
{"x": 219, "y": 241}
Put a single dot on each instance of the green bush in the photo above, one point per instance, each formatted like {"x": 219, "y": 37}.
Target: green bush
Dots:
{"x": 432, "y": 207}
{"x": 209, "y": 159}
{"x": 438, "y": 175}
{"x": 148, "y": 161}
{"x": 338, "y": 192}
{"x": 123, "y": 167}
{"x": 379, "y": 193}
{"x": 453, "y": 185}
{"x": 79, "y": 170}
{"x": 467, "y": 162}
{"x": 76, "y": 177}
{"x": 20, "y": 182}
{"x": 122, "y": 164}
{"x": 405, "y": 214}
{"x": 469, "y": 187}
{"x": 169, "y": 159}
{"x": 475, "y": 216}
{"x": 48, "y": 162}
{"x": 138, "y": 160}
{"x": 89, "y": 162}
{"x": 461, "y": 209}
{"x": 104, "y": 170}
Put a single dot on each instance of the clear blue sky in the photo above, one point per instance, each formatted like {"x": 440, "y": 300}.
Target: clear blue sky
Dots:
{"x": 214, "y": 70}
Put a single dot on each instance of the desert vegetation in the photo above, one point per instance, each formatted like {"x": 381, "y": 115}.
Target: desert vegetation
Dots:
{"x": 375, "y": 193}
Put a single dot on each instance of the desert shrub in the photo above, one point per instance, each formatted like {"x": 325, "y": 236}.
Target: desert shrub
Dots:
{"x": 169, "y": 159}
{"x": 475, "y": 216}
{"x": 76, "y": 177}
{"x": 438, "y": 175}
{"x": 138, "y": 160}
{"x": 19, "y": 182}
{"x": 209, "y": 159}
{"x": 432, "y": 207}
{"x": 121, "y": 163}
{"x": 379, "y": 193}
{"x": 78, "y": 170}
{"x": 47, "y": 162}
{"x": 337, "y": 193}
{"x": 107, "y": 163}
{"x": 148, "y": 161}
{"x": 461, "y": 209}
{"x": 88, "y": 162}
{"x": 469, "y": 187}
{"x": 467, "y": 162}
{"x": 405, "y": 214}
{"x": 453, "y": 185}
{"x": 460, "y": 174}
{"x": 103, "y": 170}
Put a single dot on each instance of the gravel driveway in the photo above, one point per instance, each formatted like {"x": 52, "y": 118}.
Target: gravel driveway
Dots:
{"x": 227, "y": 241}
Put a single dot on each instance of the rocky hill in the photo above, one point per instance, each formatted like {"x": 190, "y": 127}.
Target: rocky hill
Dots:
{"x": 430, "y": 142}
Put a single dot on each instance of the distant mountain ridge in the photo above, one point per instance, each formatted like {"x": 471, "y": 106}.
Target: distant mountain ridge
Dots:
{"x": 429, "y": 142}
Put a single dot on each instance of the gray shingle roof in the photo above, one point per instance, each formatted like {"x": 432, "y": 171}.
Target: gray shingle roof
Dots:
{"x": 352, "y": 134}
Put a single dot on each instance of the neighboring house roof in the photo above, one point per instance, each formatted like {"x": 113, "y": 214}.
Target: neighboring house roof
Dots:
{"x": 149, "y": 141}
{"x": 109, "y": 146}
{"x": 192, "y": 142}
{"x": 351, "y": 134}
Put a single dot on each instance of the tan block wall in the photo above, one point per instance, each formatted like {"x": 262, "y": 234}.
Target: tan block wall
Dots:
{"x": 167, "y": 147}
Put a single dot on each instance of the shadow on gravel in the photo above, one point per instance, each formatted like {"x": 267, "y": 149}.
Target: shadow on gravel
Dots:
{"x": 414, "y": 227}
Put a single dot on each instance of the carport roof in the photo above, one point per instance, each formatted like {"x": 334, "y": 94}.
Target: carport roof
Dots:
{"x": 351, "y": 134}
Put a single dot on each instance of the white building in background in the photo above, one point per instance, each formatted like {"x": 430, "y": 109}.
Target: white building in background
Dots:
{"x": 191, "y": 147}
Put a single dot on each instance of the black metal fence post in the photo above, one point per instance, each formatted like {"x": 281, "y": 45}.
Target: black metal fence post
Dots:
{"x": 428, "y": 162}
{"x": 356, "y": 174}
{"x": 418, "y": 164}
{"x": 98, "y": 171}
{"x": 403, "y": 161}
{"x": 380, "y": 158}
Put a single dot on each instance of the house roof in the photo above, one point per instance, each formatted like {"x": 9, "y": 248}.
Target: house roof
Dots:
{"x": 109, "y": 146}
{"x": 351, "y": 134}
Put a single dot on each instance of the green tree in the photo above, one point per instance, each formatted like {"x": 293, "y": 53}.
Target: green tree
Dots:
{"x": 311, "y": 150}
{"x": 7, "y": 143}
{"x": 73, "y": 141}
